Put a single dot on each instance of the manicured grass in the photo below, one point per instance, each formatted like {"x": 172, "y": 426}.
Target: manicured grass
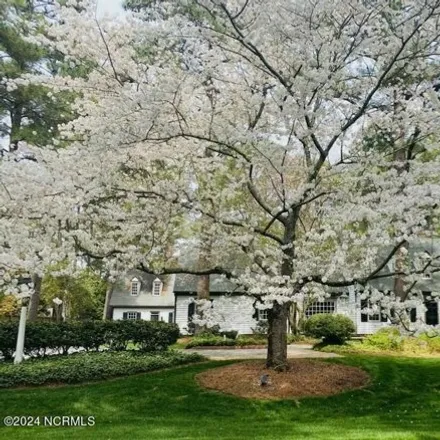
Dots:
{"x": 403, "y": 402}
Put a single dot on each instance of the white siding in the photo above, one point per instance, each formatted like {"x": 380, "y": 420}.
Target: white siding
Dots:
{"x": 145, "y": 312}
{"x": 235, "y": 311}
{"x": 181, "y": 311}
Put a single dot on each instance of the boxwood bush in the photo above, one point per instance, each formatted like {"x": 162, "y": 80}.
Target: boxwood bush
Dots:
{"x": 85, "y": 367}
{"x": 44, "y": 337}
{"x": 332, "y": 329}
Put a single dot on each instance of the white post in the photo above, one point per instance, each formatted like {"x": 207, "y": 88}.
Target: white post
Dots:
{"x": 20, "y": 337}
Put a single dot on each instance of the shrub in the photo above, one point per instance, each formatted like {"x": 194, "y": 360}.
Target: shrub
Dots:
{"x": 8, "y": 338}
{"x": 41, "y": 337}
{"x": 291, "y": 339}
{"x": 385, "y": 339}
{"x": 154, "y": 336}
{"x": 216, "y": 341}
{"x": 210, "y": 341}
{"x": 83, "y": 367}
{"x": 261, "y": 328}
{"x": 251, "y": 340}
{"x": 231, "y": 334}
{"x": 333, "y": 329}
{"x": 433, "y": 343}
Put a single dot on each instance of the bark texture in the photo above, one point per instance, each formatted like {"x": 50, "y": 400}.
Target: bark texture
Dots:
{"x": 277, "y": 337}
{"x": 35, "y": 298}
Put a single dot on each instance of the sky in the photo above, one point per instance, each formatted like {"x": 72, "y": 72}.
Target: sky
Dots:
{"x": 112, "y": 7}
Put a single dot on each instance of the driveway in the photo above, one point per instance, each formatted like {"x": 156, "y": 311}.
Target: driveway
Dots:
{"x": 293, "y": 351}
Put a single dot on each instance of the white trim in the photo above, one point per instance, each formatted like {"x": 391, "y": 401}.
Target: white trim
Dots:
{"x": 132, "y": 315}
{"x": 156, "y": 289}
{"x": 135, "y": 286}
{"x": 155, "y": 314}
{"x": 262, "y": 314}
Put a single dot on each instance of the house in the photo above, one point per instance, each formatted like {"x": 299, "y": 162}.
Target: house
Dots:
{"x": 170, "y": 299}
{"x": 234, "y": 310}
{"x": 143, "y": 296}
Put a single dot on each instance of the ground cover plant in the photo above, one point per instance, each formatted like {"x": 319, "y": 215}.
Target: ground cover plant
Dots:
{"x": 401, "y": 404}
{"x": 389, "y": 341}
{"x": 84, "y": 367}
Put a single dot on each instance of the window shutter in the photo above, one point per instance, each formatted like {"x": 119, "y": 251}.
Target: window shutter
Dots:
{"x": 383, "y": 317}
{"x": 138, "y": 315}
{"x": 170, "y": 317}
{"x": 413, "y": 315}
{"x": 124, "y": 315}
{"x": 191, "y": 310}
{"x": 364, "y": 305}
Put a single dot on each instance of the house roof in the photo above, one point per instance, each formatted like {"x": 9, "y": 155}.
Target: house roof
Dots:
{"x": 121, "y": 292}
{"x": 146, "y": 279}
{"x": 187, "y": 283}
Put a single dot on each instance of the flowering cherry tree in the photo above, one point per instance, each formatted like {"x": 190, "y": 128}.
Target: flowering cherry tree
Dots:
{"x": 283, "y": 96}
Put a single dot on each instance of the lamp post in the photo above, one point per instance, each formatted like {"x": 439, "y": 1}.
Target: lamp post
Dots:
{"x": 57, "y": 308}
{"x": 21, "y": 331}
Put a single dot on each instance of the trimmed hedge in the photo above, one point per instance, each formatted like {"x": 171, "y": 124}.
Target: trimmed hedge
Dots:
{"x": 84, "y": 367}
{"x": 42, "y": 337}
{"x": 209, "y": 340}
{"x": 333, "y": 329}
{"x": 218, "y": 341}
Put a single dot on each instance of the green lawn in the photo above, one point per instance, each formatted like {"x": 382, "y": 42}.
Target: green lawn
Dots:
{"x": 402, "y": 403}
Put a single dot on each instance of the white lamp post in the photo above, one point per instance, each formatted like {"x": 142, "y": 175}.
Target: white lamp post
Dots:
{"x": 57, "y": 303}
{"x": 21, "y": 331}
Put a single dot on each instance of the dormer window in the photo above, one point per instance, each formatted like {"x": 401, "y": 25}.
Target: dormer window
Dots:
{"x": 135, "y": 287}
{"x": 157, "y": 287}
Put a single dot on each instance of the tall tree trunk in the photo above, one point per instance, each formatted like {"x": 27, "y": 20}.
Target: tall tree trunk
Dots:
{"x": 400, "y": 157}
{"x": 108, "y": 297}
{"x": 296, "y": 318}
{"x": 277, "y": 337}
{"x": 278, "y": 316}
{"x": 203, "y": 283}
{"x": 35, "y": 298}
{"x": 16, "y": 118}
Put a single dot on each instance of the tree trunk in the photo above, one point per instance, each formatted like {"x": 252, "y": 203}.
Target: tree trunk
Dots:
{"x": 35, "y": 298}
{"x": 108, "y": 297}
{"x": 277, "y": 337}
{"x": 278, "y": 316}
{"x": 16, "y": 118}
{"x": 295, "y": 319}
{"x": 400, "y": 266}
{"x": 203, "y": 284}
{"x": 202, "y": 293}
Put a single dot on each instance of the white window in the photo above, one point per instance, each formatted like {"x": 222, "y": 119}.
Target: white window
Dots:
{"x": 262, "y": 315}
{"x": 135, "y": 287}
{"x": 133, "y": 315}
{"x": 371, "y": 312}
{"x": 154, "y": 316}
{"x": 320, "y": 307}
{"x": 157, "y": 287}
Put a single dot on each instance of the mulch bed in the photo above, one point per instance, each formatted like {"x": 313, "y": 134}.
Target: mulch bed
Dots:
{"x": 305, "y": 378}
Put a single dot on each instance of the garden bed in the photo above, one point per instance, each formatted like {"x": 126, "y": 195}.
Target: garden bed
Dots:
{"x": 388, "y": 342}
{"x": 86, "y": 367}
{"x": 305, "y": 378}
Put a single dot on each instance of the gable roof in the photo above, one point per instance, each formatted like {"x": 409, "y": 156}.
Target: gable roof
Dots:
{"x": 186, "y": 283}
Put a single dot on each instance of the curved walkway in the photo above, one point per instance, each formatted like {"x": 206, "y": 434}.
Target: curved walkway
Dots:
{"x": 293, "y": 351}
